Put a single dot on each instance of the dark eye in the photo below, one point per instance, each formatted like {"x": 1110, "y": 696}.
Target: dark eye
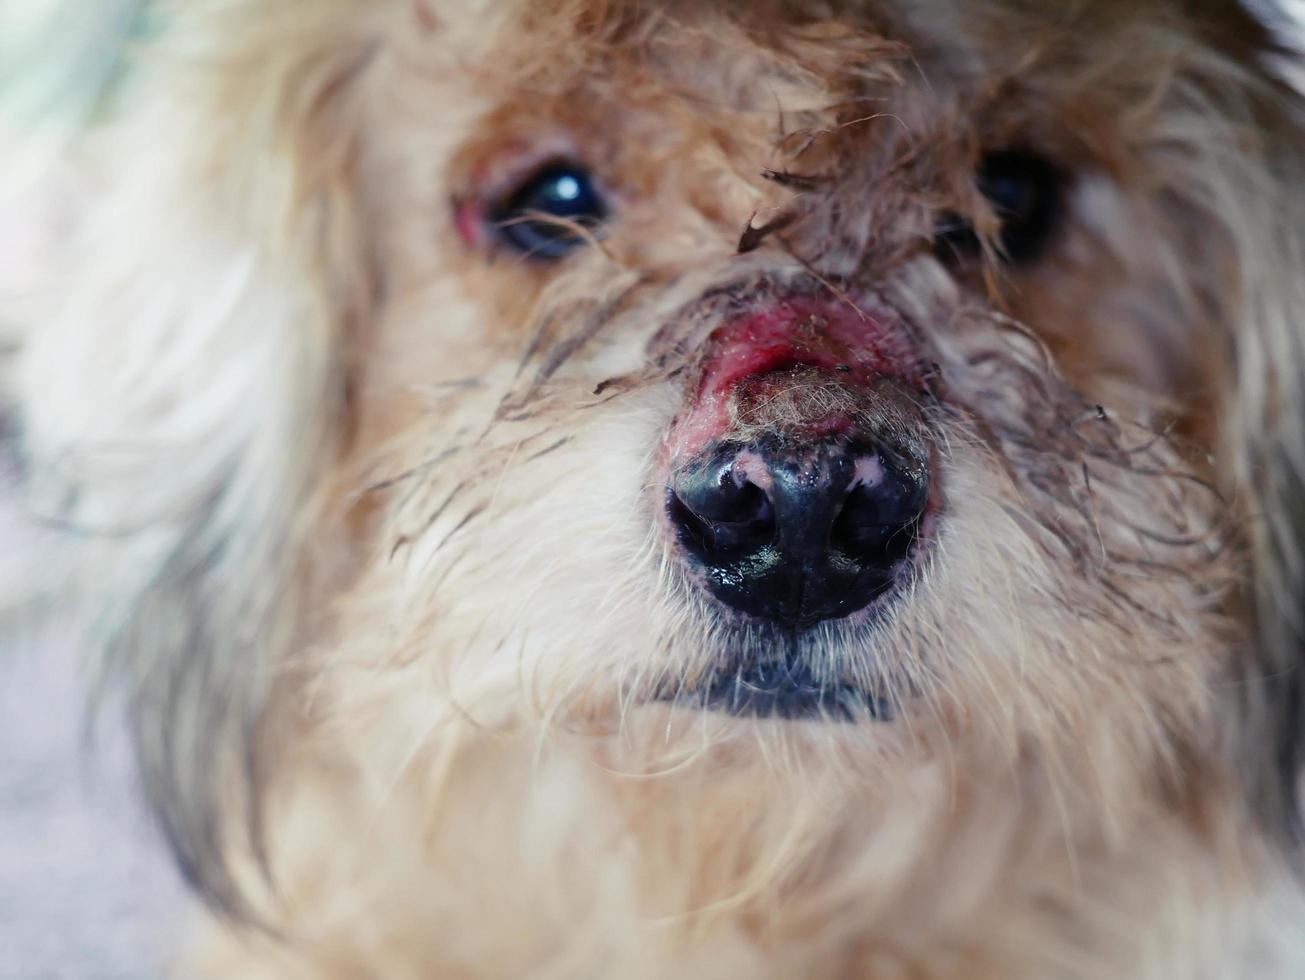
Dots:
{"x": 540, "y": 218}
{"x": 1026, "y": 192}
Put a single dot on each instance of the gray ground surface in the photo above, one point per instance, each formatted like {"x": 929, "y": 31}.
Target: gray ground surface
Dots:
{"x": 85, "y": 893}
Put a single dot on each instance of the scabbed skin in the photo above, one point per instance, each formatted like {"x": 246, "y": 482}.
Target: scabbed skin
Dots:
{"x": 857, "y": 347}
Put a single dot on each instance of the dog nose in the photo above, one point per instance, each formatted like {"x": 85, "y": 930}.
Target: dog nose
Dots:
{"x": 796, "y": 534}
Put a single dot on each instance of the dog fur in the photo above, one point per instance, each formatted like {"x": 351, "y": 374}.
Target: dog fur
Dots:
{"x": 366, "y": 515}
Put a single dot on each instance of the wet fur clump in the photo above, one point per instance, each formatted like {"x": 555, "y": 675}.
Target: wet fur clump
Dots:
{"x": 365, "y": 512}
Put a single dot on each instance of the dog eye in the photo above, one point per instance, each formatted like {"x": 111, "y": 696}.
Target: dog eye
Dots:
{"x": 1025, "y": 191}
{"x": 542, "y": 218}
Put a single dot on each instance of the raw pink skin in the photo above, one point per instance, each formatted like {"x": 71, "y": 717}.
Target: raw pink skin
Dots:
{"x": 855, "y": 347}
{"x": 470, "y": 224}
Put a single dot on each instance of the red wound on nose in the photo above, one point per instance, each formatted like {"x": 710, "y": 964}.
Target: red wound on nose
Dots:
{"x": 853, "y": 347}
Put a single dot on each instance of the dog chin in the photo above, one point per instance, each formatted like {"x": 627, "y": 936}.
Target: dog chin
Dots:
{"x": 784, "y": 690}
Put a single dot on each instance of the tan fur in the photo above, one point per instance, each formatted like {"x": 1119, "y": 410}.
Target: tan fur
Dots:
{"x": 371, "y": 527}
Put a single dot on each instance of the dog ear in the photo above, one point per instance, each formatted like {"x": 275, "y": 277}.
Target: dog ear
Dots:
{"x": 179, "y": 396}
{"x": 1268, "y": 438}
{"x": 1264, "y": 430}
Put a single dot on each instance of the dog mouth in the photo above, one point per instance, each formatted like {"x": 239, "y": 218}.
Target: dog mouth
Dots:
{"x": 799, "y": 492}
{"x": 785, "y": 690}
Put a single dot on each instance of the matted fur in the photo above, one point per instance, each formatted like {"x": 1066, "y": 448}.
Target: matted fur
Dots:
{"x": 367, "y": 515}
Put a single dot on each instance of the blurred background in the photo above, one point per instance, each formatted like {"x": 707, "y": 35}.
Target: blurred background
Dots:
{"x": 85, "y": 892}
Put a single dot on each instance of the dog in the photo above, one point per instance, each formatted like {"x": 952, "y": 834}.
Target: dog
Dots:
{"x": 586, "y": 488}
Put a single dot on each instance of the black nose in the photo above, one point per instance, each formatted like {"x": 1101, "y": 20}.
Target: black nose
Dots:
{"x": 799, "y": 534}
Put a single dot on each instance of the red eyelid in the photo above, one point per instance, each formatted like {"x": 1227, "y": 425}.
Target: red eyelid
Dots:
{"x": 495, "y": 177}
{"x": 469, "y": 219}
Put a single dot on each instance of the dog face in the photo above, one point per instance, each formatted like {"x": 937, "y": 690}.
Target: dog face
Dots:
{"x": 824, "y": 465}
{"x": 819, "y": 438}
{"x": 762, "y": 476}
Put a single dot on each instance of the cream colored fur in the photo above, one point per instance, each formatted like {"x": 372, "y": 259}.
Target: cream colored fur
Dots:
{"x": 370, "y": 529}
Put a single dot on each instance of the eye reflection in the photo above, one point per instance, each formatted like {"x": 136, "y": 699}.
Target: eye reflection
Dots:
{"x": 563, "y": 191}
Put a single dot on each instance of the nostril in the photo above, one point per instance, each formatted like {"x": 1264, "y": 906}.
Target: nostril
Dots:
{"x": 748, "y": 523}
{"x": 722, "y": 514}
{"x": 879, "y": 518}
